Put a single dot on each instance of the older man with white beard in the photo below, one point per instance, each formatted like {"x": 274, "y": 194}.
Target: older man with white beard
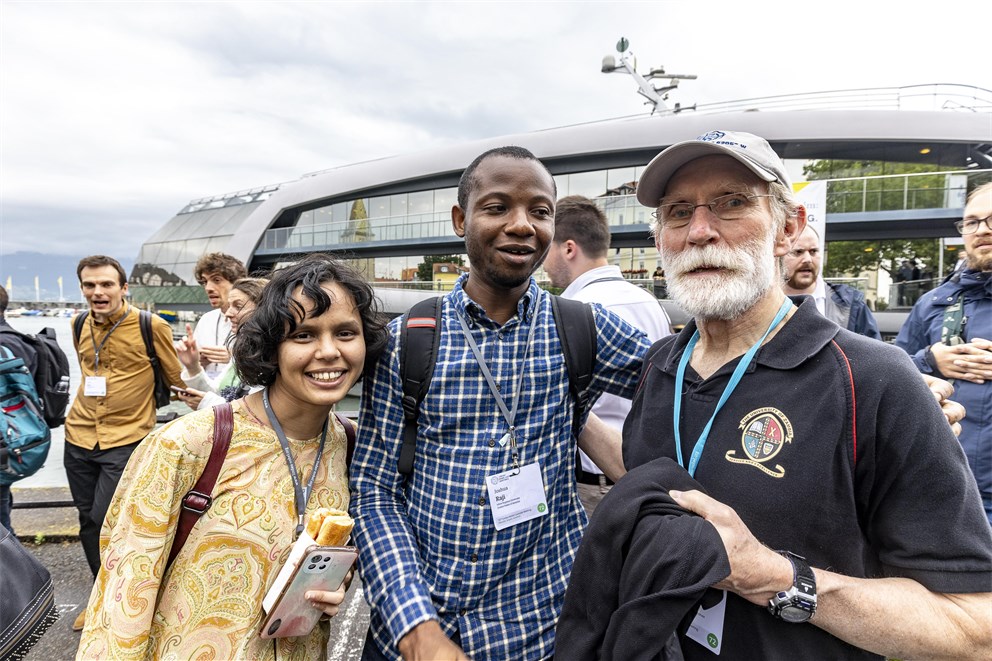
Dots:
{"x": 808, "y": 439}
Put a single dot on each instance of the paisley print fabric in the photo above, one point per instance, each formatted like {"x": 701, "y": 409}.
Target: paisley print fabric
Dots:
{"x": 208, "y": 604}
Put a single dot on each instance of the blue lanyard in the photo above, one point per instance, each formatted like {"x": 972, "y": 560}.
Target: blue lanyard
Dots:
{"x": 301, "y": 495}
{"x": 735, "y": 378}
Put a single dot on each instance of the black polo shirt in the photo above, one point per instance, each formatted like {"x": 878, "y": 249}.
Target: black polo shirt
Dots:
{"x": 831, "y": 447}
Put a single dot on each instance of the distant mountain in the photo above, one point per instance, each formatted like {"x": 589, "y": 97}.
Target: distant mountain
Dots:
{"x": 22, "y": 267}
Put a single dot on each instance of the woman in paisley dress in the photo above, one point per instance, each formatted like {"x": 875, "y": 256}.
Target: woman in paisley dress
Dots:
{"x": 314, "y": 331}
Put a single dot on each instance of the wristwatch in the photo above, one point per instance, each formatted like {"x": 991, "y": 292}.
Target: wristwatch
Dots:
{"x": 798, "y": 603}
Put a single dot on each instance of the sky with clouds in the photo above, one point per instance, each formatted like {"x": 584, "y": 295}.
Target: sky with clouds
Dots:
{"x": 113, "y": 115}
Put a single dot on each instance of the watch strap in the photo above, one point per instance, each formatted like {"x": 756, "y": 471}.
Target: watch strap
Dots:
{"x": 803, "y": 577}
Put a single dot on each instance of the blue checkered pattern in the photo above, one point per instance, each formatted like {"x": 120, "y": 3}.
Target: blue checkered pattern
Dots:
{"x": 428, "y": 546}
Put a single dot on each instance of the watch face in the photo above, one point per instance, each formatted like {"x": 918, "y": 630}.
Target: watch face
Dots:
{"x": 794, "y": 614}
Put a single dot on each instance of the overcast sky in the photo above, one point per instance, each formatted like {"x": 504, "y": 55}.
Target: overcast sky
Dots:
{"x": 113, "y": 115}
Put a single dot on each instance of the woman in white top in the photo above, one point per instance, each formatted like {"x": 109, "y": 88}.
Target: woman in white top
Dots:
{"x": 203, "y": 392}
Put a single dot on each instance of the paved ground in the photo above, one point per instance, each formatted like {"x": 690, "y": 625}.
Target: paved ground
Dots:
{"x": 59, "y": 550}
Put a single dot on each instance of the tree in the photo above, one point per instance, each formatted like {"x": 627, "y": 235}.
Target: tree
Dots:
{"x": 922, "y": 192}
{"x": 854, "y": 257}
{"x": 425, "y": 270}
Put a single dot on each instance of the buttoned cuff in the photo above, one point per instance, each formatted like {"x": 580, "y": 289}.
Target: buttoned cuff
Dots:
{"x": 405, "y": 608}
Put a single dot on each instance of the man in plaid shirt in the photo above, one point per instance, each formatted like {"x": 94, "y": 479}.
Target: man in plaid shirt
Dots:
{"x": 469, "y": 556}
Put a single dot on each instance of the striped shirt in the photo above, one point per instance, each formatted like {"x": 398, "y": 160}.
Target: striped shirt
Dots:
{"x": 428, "y": 545}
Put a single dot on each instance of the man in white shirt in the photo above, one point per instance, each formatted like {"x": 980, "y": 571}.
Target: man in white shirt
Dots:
{"x": 216, "y": 272}
{"x": 577, "y": 261}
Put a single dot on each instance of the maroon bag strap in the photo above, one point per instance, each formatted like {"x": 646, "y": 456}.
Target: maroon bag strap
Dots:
{"x": 198, "y": 500}
{"x": 349, "y": 432}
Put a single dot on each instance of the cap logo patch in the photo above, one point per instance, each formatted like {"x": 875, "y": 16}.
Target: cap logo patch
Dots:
{"x": 711, "y": 136}
{"x": 765, "y": 432}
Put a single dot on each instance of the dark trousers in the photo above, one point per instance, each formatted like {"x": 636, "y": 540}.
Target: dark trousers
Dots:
{"x": 93, "y": 476}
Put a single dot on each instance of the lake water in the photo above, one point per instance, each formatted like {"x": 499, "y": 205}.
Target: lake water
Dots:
{"x": 52, "y": 474}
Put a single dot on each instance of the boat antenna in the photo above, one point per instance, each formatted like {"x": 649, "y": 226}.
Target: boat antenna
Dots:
{"x": 656, "y": 96}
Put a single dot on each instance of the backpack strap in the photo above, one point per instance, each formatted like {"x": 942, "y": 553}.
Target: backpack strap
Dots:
{"x": 577, "y": 332}
{"x": 198, "y": 499}
{"x": 77, "y": 325}
{"x": 145, "y": 322}
{"x": 349, "y": 433}
{"x": 419, "y": 339}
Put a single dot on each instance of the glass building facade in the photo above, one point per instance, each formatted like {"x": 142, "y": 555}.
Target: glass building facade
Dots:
{"x": 423, "y": 216}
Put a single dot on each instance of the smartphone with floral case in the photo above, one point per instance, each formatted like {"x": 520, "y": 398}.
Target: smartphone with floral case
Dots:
{"x": 322, "y": 568}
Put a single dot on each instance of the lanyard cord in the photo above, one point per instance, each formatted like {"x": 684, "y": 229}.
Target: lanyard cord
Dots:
{"x": 97, "y": 348}
{"x": 508, "y": 415}
{"x": 735, "y": 378}
{"x": 301, "y": 496}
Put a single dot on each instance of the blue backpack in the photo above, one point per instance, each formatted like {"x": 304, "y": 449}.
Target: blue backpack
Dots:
{"x": 24, "y": 437}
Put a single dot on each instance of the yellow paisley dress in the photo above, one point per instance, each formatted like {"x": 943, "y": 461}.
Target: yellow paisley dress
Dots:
{"x": 208, "y": 604}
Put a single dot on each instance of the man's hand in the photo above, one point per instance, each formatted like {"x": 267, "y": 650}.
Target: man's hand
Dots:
{"x": 426, "y": 642}
{"x": 188, "y": 353}
{"x": 756, "y": 572}
{"x": 971, "y": 361}
{"x": 218, "y": 355}
{"x": 942, "y": 390}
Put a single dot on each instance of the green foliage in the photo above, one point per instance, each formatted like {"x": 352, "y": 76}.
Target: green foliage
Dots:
{"x": 425, "y": 270}
{"x": 853, "y": 257}
{"x": 887, "y": 192}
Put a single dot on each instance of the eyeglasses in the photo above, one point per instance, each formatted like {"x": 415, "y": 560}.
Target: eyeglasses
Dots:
{"x": 970, "y": 225}
{"x": 726, "y": 207}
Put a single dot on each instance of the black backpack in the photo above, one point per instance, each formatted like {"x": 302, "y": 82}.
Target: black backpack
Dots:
{"x": 163, "y": 395}
{"x": 418, "y": 353}
{"x": 51, "y": 376}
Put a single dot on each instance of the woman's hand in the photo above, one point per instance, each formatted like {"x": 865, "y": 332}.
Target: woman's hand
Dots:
{"x": 330, "y": 602}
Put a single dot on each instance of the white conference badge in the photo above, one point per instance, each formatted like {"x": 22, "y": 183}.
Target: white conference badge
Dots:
{"x": 517, "y": 496}
{"x": 95, "y": 386}
{"x": 707, "y": 627}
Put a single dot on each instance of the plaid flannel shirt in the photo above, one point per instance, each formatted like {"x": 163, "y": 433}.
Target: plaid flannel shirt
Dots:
{"x": 428, "y": 545}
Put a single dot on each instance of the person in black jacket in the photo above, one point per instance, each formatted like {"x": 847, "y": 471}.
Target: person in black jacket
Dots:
{"x": 821, "y": 465}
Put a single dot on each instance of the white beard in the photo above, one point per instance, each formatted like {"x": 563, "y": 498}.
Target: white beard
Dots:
{"x": 750, "y": 272}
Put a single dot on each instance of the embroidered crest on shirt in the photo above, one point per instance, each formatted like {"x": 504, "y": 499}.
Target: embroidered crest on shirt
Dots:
{"x": 766, "y": 431}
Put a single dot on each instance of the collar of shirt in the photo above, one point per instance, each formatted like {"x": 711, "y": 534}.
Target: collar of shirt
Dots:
{"x": 113, "y": 318}
{"x": 802, "y": 336}
{"x": 475, "y": 313}
{"x": 608, "y": 271}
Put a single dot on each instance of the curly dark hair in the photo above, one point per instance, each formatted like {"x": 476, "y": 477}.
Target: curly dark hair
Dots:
{"x": 277, "y": 315}
{"x": 228, "y": 267}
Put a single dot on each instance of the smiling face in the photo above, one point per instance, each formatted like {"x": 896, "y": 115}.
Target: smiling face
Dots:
{"x": 323, "y": 357}
{"x": 718, "y": 269}
{"x": 103, "y": 290}
{"x": 508, "y": 223}
{"x": 217, "y": 288}
{"x": 239, "y": 306}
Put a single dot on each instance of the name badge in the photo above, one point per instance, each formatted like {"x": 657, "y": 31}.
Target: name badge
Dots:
{"x": 707, "y": 627}
{"x": 95, "y": 386}
{"x": 517, "y": 496}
